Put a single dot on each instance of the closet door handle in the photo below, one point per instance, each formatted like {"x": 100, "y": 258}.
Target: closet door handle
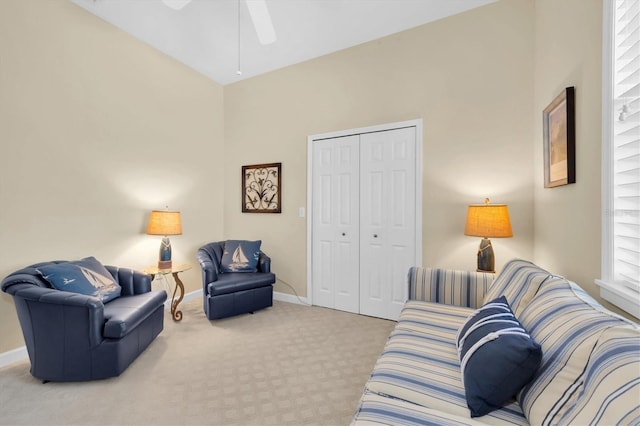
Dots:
{"x": 375, "y": 235}
{"x": 343, "y": 234}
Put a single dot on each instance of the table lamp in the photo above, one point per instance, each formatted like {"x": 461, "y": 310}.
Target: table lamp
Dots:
{"x": 487, "y": 221}
{"x": 165, "y": 223}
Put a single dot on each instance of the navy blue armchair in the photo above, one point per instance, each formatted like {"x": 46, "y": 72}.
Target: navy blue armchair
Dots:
{"x": 232, "y": 293}
{"x": 74, "y": 337}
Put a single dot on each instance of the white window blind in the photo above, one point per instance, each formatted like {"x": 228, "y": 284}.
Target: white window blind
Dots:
{"x": 620, "y": 281}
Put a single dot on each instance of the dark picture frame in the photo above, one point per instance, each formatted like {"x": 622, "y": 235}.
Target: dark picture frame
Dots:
{"x": 262, "y": 188}
{"x": 559, "y": 131}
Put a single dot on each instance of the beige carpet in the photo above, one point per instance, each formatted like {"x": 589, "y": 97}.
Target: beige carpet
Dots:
{"x": 286, "y": 365}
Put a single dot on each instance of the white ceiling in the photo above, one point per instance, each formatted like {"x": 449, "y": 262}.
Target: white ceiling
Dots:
{"x": 204, "y": 34}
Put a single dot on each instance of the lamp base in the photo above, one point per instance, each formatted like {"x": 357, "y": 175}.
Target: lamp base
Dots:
{"x": 486, "y": 260}
{"x": 164, "y": 265}
{"x": 164, "y": 258}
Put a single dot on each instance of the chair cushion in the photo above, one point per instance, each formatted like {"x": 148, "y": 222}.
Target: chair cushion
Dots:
{"x": 87, "y": 276}
{"x": 240, "y": 256}
{"x": 233, "y": 282}
{"x": 124, "y": 314}
{"x": 497, "y": 357}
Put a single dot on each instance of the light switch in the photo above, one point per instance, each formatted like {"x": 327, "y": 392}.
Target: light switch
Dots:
{"x": 301, "y": 212}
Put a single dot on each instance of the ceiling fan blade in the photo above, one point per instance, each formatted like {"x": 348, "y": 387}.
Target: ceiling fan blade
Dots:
{"x": 261, "y": 21}
{"x": 176, "y": 4}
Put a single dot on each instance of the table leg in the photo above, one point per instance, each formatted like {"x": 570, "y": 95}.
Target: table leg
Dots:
{"x": 175, "y": 313}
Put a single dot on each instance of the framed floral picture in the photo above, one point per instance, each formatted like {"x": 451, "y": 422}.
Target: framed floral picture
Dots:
{"x": 559, "y": 127}
{"x": 261, "y": 188}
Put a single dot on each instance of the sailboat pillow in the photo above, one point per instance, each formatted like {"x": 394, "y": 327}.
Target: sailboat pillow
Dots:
{"x": 87, "y": 276}
{"x": 240, "y": 256}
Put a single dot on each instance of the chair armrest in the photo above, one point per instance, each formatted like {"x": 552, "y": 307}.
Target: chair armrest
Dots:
{"x": 264, "y": 263}
{"x": 132, "y": 281}
{"x": 448, "y": 286}
{"x": 209, "y": 267}
{"x": 61, "y": 315}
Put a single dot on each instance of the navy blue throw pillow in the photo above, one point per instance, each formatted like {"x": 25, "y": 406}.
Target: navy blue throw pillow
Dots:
{"x": 497, "y": 357}
{"x": 240, "y": 256}
{"x": 87, "y": 276}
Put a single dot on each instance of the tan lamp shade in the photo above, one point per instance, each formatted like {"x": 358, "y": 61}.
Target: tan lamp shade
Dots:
{"x": 164, "y": 223}
{"x": 488, "y": 221}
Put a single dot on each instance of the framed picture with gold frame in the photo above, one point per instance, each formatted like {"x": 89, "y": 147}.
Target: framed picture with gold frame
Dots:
{"x": 559, "y": 127}
{"x": 262, "y": 188}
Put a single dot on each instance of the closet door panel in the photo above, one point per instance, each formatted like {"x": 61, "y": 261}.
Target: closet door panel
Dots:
{"x": 335, "y": 224}
{"x": 387, "y": 220}
{"x": 323, "y": 288}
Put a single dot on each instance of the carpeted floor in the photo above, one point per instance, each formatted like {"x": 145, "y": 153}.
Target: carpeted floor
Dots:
{"x": 286, "y": 365}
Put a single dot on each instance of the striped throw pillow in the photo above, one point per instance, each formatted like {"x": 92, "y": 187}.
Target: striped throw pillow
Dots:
{"x": 497, "y": 357}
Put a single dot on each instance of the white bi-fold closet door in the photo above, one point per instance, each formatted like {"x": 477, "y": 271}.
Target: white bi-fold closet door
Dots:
{"x": 364, "y": 226}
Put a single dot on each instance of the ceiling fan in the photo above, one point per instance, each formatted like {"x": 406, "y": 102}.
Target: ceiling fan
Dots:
{"x": 257, "y": 10}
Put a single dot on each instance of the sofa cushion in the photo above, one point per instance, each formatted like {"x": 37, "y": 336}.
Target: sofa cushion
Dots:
{"x": 567, "y": 323}
{"x": 240, "y": 256}
{"x": 518, "y": 281}
{"x": 609, "y": 393}
{"x": 435, "y": 319}
{"x": 375, "y": 409}
{"x": 124, "y": 314}
{"x": 497, "y": 357}
{"x": 87, "y": 276}
{"x": 421, "y": 366}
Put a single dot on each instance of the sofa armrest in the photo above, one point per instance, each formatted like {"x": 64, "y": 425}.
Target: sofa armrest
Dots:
{"x": 264, "y": 263}
{"x": 132, "y": 281}
{"x": 73, "y": 319}
{"x": 448, "y": 286}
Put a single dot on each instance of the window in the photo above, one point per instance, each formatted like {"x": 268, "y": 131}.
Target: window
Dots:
{"x": 620, "y": 282}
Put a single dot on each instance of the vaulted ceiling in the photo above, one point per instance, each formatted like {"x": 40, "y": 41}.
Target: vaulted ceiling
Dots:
{"x": 218, "y": 38}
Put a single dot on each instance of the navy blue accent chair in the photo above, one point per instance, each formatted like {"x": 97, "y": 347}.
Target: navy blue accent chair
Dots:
{"x": 227, "y": 294}
{"x": 75, "y": 337}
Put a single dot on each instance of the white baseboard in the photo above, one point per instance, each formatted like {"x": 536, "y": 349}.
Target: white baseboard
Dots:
{"x": 285, "y": 297}
{"x": 192, "y": 295}
{"x": 14, "y": 355}
{"x": 20, "y": 354}
{"x": 187, "y": 297}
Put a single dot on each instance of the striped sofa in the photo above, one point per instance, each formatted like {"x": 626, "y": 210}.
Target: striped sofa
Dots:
{"x": 590, "y": 370}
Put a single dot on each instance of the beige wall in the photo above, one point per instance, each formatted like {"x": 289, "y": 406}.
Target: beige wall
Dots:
{"x": 96, "y": 130}
{"x": 469, "y": 77}
{"x": 568, "y": 52}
